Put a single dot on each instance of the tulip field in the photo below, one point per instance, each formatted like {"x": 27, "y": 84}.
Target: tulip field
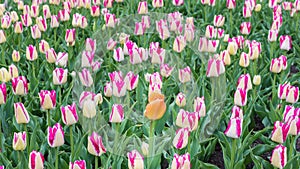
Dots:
{"x": 149, "y": 84}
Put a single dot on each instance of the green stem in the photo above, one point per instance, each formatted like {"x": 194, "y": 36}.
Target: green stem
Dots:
{"x": 151, "y": 143}
{"x": 19, "y": 42}
{"x": 271, "y": 50}
{"x": 115, "y": 147}
{"x": 48, "y": 118}
{"x": 232, "y": 158}
{"x": 96, "y": 162}
{"x": 230, "y": 21}
{"x": 291, "y": 148}
{"x": 72, "y": 141}
{"x": 20, "y": 159}
{"x": 27, "y": 138}
{"x": 56, "y": 157}
{"x": 274, "y": 87}
{"x": 3, "y": 55}
{"x": 55, "y": 31}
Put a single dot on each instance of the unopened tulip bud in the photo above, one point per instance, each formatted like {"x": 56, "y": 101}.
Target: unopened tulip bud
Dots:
{"x": 20, "y": 85}
{"x": 19, "y": 141}
{"x": 60, "y": 76}
{"x": 280, "y": 132}
{"x": 232, "y": 48}
{"x": 240, "y": 97}
{"x": 13, "y": 71}
{"x": 117, "y": 114}
{"x": 234, "y": 128}
{"x": 180, "y": 140}
{"x": 279, "y": 156}
{"x": 2, "y": 37}
{"x": 276, "y": 65}
{"x": 135, "y": 160}
{"x": 69, "y": 114}
{"x": 51, "y": 55}
{"x": 244, "y": 60}
{"x": 166, "y": 70}
{"x": 180, "y": 100}
{"x": 145, "y": 148}
{"x": 131, "y": 80}
{"x": 256, "y": 80}
{"x": 257, "y": 8}
{"x": 47, "y": 99}
{"x": 78, "y": 164}
{"x": 292, "y": 94}
{"x": 3, "y": 93}
{"x": 44, "y": 46}
{"x": 36, "y": 160}
{"x": 46, "y": 12}
{"x": 55, "y": 135}
{"x": 16, "y": 56}
{"x": 31, "y": 53}
{"x": 179, "y": 44}
{"x": 143, "y": 7}
{"x": 54, "y": 21}
{"x": 95, "y": 145}
{"x": 4, "y": 75}
{"x": 245, "y": 28}
{"x": 244, "y": 82}
{"x": 35, "y": 32}
{"x": 187, "y": 119}
{"x": 285, "y": 42}
{"x": 230, "y": 4}
{"x": 21, "y": 113}
{"x": 18, "y": 27}
{"x": 219, "y": 20}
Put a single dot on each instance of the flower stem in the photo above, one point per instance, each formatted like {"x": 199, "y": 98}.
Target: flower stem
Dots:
{"x": 291, "y": 148}
{"x": 48, "y": 118}
{"x": 72, "y": 141}
{"x": 230, "y": 21}
{"x": 3, "y": 54}
{"x": 27, "y": 140}
{"x": 96, "y": 162}
{"x": 151, "y": 143}
{"x": 232, "y": 158}
{"x": 56, "y": 158}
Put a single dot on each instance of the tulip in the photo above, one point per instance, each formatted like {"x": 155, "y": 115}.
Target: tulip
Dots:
{"x": 210, "y": 32}
{"x": 86, "y": 78}
{"x": 13, "y": 71}
{"x": 108, "y": 3}
{"x": 179, "y": 44}
{"x": 180, "y": 140}
{"x": 157, "y": 3}
{"x": 117, "y": 114}
{"x": 42, "y": 24}
{"x": 46, "y": 12}
{"x": 280, "y": 132}
{"x": 247, "y": 11}
{"x": 180, "y": 100}
{"x": 178, "y": 2}
{"x": 232, "y": 48}
{"x": 279, "y": 156}
{"x": 245, "y": 28}
{"x": 297, "y": 5}
{"x": 19, "y": 141}
{"x": 146, "y": 21}
{"x": 111, "y": 44}
{"x": 76, "y": 21}
{"x": 3, "y": 93}
{"x": 26, "y": 10}
{"x": 294, "y": 123}
{"x": 70, "y": 37}
{"x": 78, "y": 164}
{"x": 244, "y": 82}
{"x": 131, "y": 80}
{"x": 47, "y": 99}
{"x": 35, "y": 32}
{"x": 285, "y": 42}
{"x": 212, "y": 45}
{"x": 199, "y": 106}
{"x": 96, "y": 2}
{"x": 155, "y": 78}
{"x": 154, "y": 88}
{"x": 14, "y": 16}
{"x": 189, "y": 33}
{"x": 95, "y": 11}
{"x": 188, "y": 120}
{"x": 36, "y": 160}
{"x": 181, "y": 161}
{"x": 110, "y": 20}
{"x": 54, "y": 2}
{"x": 244, "y": 60}
{"x": 4, "y": 75}
{"x": 88, "y": 102}
{"x": 60, "y": 76}
{"x": 175, "y": 22}
{"x": 276, "y": 65}
{"x": 64, "y": 15}
{"x": 234, "y": 128}
{"x": 118, "y": 54}
{"x": 145, "y": 148}
{"x": 87, "y": 58}
{"x": 51, "y": 55}
{"x": 2, "y": 9}
{"x": 119, "y": 87}
{"x": 62, "y": 59}
{"x": 31, "y": 53}
{"x": 282, "y": 90}
{"x": 166, "y": 70}
{"x": 157, "y": 54}
{"x": 185, "y": 74}
{"x": 44, "y": 46}
{"x": 5, "y": 22}
{"x": 219, "y": 20}
{"x": 19, "y": 85}
{"x": 230, "y": 4}
{"x": 90, "y": 45}
{"x": 21, "y": 113}
{"x": 20, "y": 5}
{"x": 108, "y": 89}
{"x": 2, "y": 37}
{"x": 289, "y": 112}
{"x": 240, "y": 97}
{"x": 283, "y": 61}
{"x": 83, "y": 23}
{"x": 69, "y": 114}
{"x": 215, "y": 68}
{"x": 15, "y": 56}
{"x": 225, "y": 56}
{"x": 292, "y": 94}
{"x": 156, "y": 107}
{"x": 236, "y": 112}
{"x": 256, "y": 80}
{"x": 135, "y": 160}
{"x": 143, "y": 7}
{"x": 34, "y": 12}
{"x": 140, "y": 28}
{"x": 136, "y": 56}
{"x": 18, "y": 27}
{"x": 54, "y": 21}
{"x": 272, "y": 3}
{"x": 163, "y": 30}
{"x": 95, "y": 145}
{"x": 55, "y": 136}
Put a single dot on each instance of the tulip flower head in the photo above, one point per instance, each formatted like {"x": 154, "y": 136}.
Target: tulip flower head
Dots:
{"x": 280, "y": 132}
{"x": 20, "y": 85}
{"x": 19, "y": 141}
{"x": 78, "y": 164}
{"x": 69, "y": 114}
{"x": 21, "y": 114}
{"x": 117, "y": 114}
{"x": 3, "y": 93}
{"x": 135, "y": 160}
{"x": 55, "y": 135}
{"x": 279, "y": 156}
{"x": 95, "y": 145}
{"x": 156, "y": 107}
{"x": 215, "y": 67}
{"x": 36, "y": 160}
{"x": 180, "y": 140}
{"x": 47, "y": 99}
{"x": 181, "y": 161}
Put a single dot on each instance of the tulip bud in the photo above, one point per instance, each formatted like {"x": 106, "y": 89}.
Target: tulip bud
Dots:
{"x": 108, "y": 89}
{"x": 166, "y": 70}
{"x": 219, "y": 20}
{"x": 26, "y": 20}
{"x": 43, "y": 46}
{"x": 199, "y": 106}
{"x": 51, "y": 55}
{"x": 157, "y": 54}
{"x": 95, "y": 11}
{"x": 31, "y": 53}
{"x": 240, "y": 97}
{"x": 128, "y": 47}
{"x": 285, "y": 42}
{"x": 108, "y": 3}
{"x": 16, "y": 56}
{"x": 215, "y": 68}
{"x": 163, "y": 30}
{"x": 143, "y": 7}
{"x": 14, "y": 16}
{"x": 88, "y": 102}
{"x": 34, "y": 12}
{"x": 83, "y": 22}
{"x": 234, "y": 128}
{"x": 180, "y": 100}
{"x": 185, "y": 74}
{"x": 35, "y": 32}
{"x": 145, "y": 148}
{"x": 117, "y": 114}
{"x": 3, "y": 93}
{"x": 289, "y": 112}
{"x": 95, "y": 145}
{"x": 110, "y": 20}
{"x": 283, "y": 61}
{"x": 180, "y": 140}
{"x": 21, "y": 113}
{"x": 247, "y": 11}
{"x": 135, "y": 160}
{"x": 280, "y": 132}
{"x": 294, "y": 123}
{"x": 292, "y": 94}
{"x": 20, "y": 85}
{"x": 56, "y": 135}
{"x": 181, "y": 162}
{"x": 157, "y": 3}
{"x": 36, "y": 160}
{"x": 13, "y": 71}
{"x": 4, "y": 75}
{"x": 279, "y": 156}
{"x": 179, "y": 44}
{"x": 244, "y": 60}
{"x": 47, "y": 99}
{"x": 2, "y": 37}
{"x": 146, "y": 21}
{"x": 210, "y": 32}
{"x": 19, "y": 141}
{"x": 42, "y": 24}
{"x": 256, "y": 80}
{"x": 54, "y": 21}
{"x": 230, "y": 4}
{"x": 245, "y": 28}
{"x": 64, "y": 15}
{"x": 5, "y": 22}
{"x": 90, "y": 45}
{"x": 178, "y": 2}
{"x": 62, "y": 59}
{"x": 111, "y": 44}
{"x": 46, "y": 12}
{"x": 78, "y": 164}
{"x": 232, "y": 48}
{"x": 60, "y": 76}
{"x": 131, "y": 80}
{"x": 86, "y": 77}
{"x": 136, "y": 56}
{"x": 282, "y": 90}
{"x": 244, "y": 82}
{"x": 276, "y": 65}
{"x": 188, "y": 120}
{"x": 236, "y": 112}
{"x": 118, "y": 54}
{"x": 70, "y": 37}
{"x": 18, "y": 27}
{"x": 140, "y": 28}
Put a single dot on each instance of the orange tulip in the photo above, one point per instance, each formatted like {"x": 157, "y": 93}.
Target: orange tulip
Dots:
{"x": 156, "y": 107}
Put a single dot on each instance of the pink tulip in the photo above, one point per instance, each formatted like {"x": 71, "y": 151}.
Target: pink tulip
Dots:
{"x": 187, "y": 119}
{"x": 143, "y": 7}
{"x": 290, "y": 111}
{"x": 117, "y": 114}
{"x": 78, "y": 164}
{"x": 18, "y": 28}
{"x": 131, "y": 80}
{"x": 137, "y": 55}
{"x": 36, "y": 160}
{"x": 47, "y": 99}
{"x": 70, "y": 36}
{"x": 42, "y": 24}
{"x": 245, "y": 28}
{"x": 244, "y": 82}
{"x": 292, "y": 94}
{"x": 240, "y": 97}
{"x": 189, "y": 33}
{"x": 276, "y": 65}
{"x": 212, "y": 45}
{"x": 280, "y": 132}
{"x": 111, "y": 44}
{"x": 86, "y": 78}
{"x": 64, "y": 15}
{"x": 162, "y": 29}
{"x": 279, "y": 154}
{"x": 108, "y": 89}
{"x": 3, "y": 93}
{"x": 5, "y": 22}
{"x": 20, "y": 85}
{"x": 282, "y": 90}
{"x": 87, "y": 58}
{"x": 180, "y": 140}
{"x": 95, "y": 11}
{"x": 110, "y": 20}
{"x": 273, "y": 34}
{"x": 179, "y": 44}
{"x": 118, "y": 54}
{"x": 62, "y": 59}
{"x": 234, "y": 128}
{"x": 180, "y": 100}
{"x": 56, "y": 136}
{"x": 166, "y": 70}
{"x": 35, "y": 32}
{"x": 215, "y": 68}
{"x": 108, "y": 3}
{"x": 69, "y": 114}
{"x": 230, "y": 4}
{"x": 146, "y": 21}
{"x": 140, "y": 28}
{"x": 19, "y": 141}
{"x": 95, "y": 145}
{"x": 54, "y": 21}
{"x": 51, "y": 55}
{"x": 90, "y": 45}
{"x": 285, "y": 42}
{"x": 199, "y": 106}
{"x": 157, "y": 3}
{"x": 210, "y": 32}
{"x": 2, "y": 37}
{"x": 181, "y": 161}
{"x": 60, "y": 76}
{"x": 294, "y": 123}
{"x": 21, "y": 113}
{"x": 46, "y": 12}
{"x": 247, "y": 11}
{"x": 178, "y": 2}
{"x": 135, "y": 160}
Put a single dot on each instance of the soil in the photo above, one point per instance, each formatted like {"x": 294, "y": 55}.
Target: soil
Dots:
{"x": 216, "y": 157}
